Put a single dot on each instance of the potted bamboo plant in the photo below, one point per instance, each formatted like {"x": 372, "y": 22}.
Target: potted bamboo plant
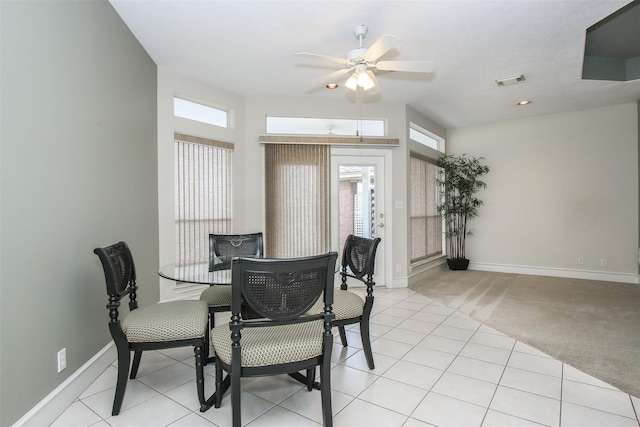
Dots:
{"x": 459, "y": 180}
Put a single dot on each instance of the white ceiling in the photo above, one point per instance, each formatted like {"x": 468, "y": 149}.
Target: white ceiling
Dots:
{"x": 248, "y": 47}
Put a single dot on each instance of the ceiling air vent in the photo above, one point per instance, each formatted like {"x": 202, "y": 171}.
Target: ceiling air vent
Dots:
{"x": 510, "y": 80}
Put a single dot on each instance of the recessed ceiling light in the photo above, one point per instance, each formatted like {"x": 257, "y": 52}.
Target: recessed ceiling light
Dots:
{"x": 526, "y": 102}
{"x": 332, "y": 85}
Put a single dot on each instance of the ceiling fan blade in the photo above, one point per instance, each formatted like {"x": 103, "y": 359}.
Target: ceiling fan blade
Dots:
{"x": 330, "y": 78}
{"x": 384, "y": 44}
{"x": 407, "y": 66}
{"x": 323, "y": 57}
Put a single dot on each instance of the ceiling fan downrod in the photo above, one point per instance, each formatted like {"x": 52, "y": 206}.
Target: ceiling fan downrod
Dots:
{"x": 360, "y": 31}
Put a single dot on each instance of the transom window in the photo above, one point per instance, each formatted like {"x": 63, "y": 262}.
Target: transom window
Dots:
{"x": 426, "y": 138}
{"x": 200, "y": 112}
{"x": 322, "y": 126}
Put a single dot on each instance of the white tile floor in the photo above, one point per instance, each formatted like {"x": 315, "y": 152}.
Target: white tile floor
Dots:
{"x": 434, "y": 367}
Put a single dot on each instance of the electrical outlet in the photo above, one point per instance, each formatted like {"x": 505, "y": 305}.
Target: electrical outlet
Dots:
{"x": 62, "y": 359}
{"x": 398, "y": 268}
{"x": 603, "y": 262}
{"x": 580, "y": 261}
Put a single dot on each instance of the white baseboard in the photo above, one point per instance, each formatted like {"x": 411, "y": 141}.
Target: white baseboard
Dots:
{"x": 556, "y": 272}
{"x": 56, "y": 402}
{"x": 400, "y": 282}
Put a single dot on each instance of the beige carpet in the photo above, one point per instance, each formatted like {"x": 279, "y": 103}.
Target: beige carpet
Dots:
{"x": 591, "y": 325}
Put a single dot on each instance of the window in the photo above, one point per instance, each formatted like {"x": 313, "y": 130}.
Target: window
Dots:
{"x": 318, "y": 126}
{"x": 425, "y": 222}
{"x": 426, "y": 138}
{"x": 203, "y": 194}
{"x": 297, "y": 200}
{"x": 200, "y": 112}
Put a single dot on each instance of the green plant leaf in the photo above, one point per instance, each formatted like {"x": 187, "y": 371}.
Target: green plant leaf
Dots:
{"x": 459, "y": 180}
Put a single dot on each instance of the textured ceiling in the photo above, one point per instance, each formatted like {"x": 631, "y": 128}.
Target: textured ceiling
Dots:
{"x": 248, "y": 47}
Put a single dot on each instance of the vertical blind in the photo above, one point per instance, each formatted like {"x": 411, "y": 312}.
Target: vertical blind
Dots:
{"x": 425, "y": 222}
{"x": 298, "y": 207}
{"x": 203, "y": 194}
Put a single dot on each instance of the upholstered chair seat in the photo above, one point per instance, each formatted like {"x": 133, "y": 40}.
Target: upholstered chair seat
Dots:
{"x": 217, "y": 297}
{"x": 173, "y": 321}
{"x": 346, "y": 305}
{"x": 273, "y": 346}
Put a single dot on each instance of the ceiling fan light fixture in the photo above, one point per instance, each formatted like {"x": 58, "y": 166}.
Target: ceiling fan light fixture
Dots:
{"x": 365, "y": 82}
{"x": 352, "y": 83}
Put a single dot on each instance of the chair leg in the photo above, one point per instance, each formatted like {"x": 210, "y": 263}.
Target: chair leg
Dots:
{"x": 311, "y": 376}
{"x": 124, "y": 358}
{"x": 235, "y": 397}
{"x": 198, "y": 350}
{"x": 219, "y": 390}
{"x": 136, "y": 364}
{"x": 207, "y": 347}
{"x": 343, "y": 335}
{"x": 325, "y": 395}
{"x": 366, "y": 342}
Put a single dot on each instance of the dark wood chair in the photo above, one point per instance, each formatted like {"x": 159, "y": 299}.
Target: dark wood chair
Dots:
{"x": 165, "y": 325}
{"x": 279, "y": 337}
{"x": 218, "y": 297}
{"x": 358, "y": 262}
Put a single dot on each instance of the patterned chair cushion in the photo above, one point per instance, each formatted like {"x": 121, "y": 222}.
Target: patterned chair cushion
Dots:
{"x": 217, "y": 296}
{"x": 271, "y": 345}
{"x": 157, "y": 323}
{"x": 346, "y": 305}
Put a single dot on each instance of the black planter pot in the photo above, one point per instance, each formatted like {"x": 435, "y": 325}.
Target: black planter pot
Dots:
{"x": 457, "y": 263}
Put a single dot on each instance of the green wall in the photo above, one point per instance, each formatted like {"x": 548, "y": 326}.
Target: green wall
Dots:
{"x": 78, "y": 170}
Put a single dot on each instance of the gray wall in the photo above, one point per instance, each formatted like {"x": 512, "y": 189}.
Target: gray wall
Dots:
{"x": 78, "y": 170}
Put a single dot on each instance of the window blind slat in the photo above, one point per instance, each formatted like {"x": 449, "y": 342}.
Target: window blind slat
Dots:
{"x": 203, "y": 196}
{"x": 425, "y": 221}
{"x": 297, "y": 200}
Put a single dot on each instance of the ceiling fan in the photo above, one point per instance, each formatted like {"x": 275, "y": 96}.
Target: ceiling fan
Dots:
{"x": 363, "y": 60}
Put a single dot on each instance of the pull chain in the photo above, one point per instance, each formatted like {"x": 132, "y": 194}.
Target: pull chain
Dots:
{"x": 359, "y": 91}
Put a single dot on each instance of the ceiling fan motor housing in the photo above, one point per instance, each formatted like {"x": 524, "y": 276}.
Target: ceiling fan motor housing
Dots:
{"x": 355, "y": 53}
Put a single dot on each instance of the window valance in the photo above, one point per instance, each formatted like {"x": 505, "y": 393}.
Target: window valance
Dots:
{"x": 329, "y": 140}
{"x": 204, "y": 141}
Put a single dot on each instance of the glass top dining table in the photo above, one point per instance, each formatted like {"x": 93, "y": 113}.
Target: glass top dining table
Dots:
{"x": 201, "y": 271}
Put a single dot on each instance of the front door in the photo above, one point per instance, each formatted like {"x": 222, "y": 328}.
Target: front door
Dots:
{"x": 358, "y": 203}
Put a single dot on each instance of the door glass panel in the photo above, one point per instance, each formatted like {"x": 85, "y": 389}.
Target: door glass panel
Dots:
{"x": 357, "y": 201}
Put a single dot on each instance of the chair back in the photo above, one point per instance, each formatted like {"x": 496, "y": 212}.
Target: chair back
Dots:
{"x": 359, "y": 256}
{"x": 282, "y": 289}
{"x": 119, "y": 272}
{"x": 230, "y": 245}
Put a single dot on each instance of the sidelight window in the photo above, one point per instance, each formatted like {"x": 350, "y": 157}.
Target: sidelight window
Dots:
{"x": 425, "y": 221}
